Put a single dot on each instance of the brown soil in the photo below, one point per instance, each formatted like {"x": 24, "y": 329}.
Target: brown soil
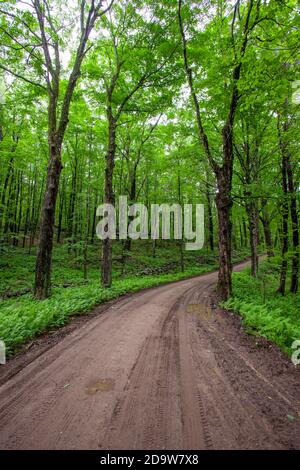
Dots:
{"x": 161, "y": 369}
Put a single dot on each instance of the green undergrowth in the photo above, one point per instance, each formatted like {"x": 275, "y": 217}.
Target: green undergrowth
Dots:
{"x": 265, "y": 312}
{"x": 17, "y": 265}
{"x": 23, "y": 318}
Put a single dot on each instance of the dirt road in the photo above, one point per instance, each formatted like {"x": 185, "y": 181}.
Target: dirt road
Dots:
{"x": 158, "y": 370}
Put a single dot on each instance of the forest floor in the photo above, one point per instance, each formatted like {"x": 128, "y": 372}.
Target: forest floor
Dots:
{"x": 160, "y": 369}
{"x": 23, "y": 319}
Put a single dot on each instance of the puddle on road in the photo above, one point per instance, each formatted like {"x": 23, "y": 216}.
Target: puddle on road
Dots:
{"x": 103, "y": 385}
{"x": 203, "y": 311}
{"x": 194, "y": 308}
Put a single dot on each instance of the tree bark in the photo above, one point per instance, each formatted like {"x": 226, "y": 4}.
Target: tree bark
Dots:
{"x": 8, "y": 214}
{"x": 106, "y": 271}
{"x": 4, "y": 191}
{"x": 20, "y": 214}
{"x": 295, "y": 230}
{"x": 94, "y": 220}
{"x": 265, "y": 220}
{"x": 73, "y": 196}
{"x": 18, "y": 202}
{"x": 132, "y": 198}
{"x": 210, "y": 220}
{"x": 224, "y": 172}
{"x": 181, "y": 241}
{"x": 87, "y": 225}
{"x": 60, "y": 212}
{"x": 58, "y": 119}
{"x": 36, "y": 207}
{"x": 27, "y": 217}
{"x": 44, "y": 255}
{"x": 285, "y": 217}
{"x": 253, "y": 229}
{"x": 224, "y": 206}
{"x": 113, "y": 117}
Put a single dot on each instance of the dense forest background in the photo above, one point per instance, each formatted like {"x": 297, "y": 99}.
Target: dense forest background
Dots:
{"x": 165, "y": 102}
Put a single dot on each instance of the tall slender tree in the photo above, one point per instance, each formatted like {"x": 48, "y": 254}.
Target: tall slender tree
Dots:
{"x": 223, "y": 171}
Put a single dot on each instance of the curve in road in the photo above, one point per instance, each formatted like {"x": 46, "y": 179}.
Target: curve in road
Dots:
{"x": 161, "y": 369}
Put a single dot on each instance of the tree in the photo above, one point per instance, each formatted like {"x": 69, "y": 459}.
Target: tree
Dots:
{"x": 48, "y": 59}
{"x": 130, "y": 36}
{"x": 247, "y": 19}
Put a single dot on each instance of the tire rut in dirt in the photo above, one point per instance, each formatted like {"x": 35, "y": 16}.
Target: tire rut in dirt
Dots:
{"x": 196, "y": 432}
{"x": 147, "y": 415}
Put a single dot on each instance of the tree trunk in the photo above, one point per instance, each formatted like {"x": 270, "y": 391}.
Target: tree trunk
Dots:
{"x": 253, "y": 229}
{"x": 88, "y": 222}
{"x": 57, "y": 127}
{"x": 265, "y": 219}
{"x": 181, "y": 241}
{"x": 94, "y": 221}
{"x": 26, "y": 227}
{"x": 132, "y": 198}
{"x": 245, "y": 233}
{"x": 18, "y": 200}
{"x": 10, "y": 171}
{"x": 284, "y": 230}
{"x": 20, "y": 214}
{"x": 35, "y": 211}
{"x": 60, "y": 212}
{"x": 109, "y": 199}
{"x": 241, "y": 236}
{"x": 224, "y": 201}
{"x": 8, "y": 215}
{"x": 32, "y": 217}
{"x": 210, "y": 220}
{"x": 295, "y": 230}
{"x": 223, "y": 173}
{"x": 224, "y": 205}
{"x": 44, "y": 255}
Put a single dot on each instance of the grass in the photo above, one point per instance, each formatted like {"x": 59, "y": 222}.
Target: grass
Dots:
{"x": 264, "y": 312}
{"x": 17, "y": 265}
{"x": 23, "y": 318}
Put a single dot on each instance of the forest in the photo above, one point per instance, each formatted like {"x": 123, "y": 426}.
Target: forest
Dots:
{"x": 165, "y": 102}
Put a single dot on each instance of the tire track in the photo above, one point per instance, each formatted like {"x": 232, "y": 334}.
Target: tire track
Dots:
{"x": 182, "y": 379}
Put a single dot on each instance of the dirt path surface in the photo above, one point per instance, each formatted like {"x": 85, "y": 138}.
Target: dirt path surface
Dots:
{"x": 161, "y": 369}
